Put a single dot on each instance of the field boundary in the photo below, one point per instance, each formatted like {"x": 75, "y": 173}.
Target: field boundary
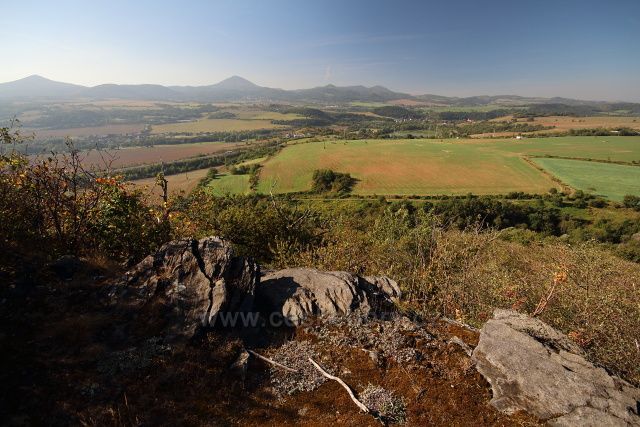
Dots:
{"x": 565, "y": 187}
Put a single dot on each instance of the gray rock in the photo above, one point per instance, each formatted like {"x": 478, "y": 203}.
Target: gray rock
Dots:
{"x": 298, "y": 293}
{"x": 187, "y": 284}
{"x": 533, "y": 367}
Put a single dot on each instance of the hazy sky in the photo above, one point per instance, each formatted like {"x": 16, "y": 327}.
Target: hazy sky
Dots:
{"x": 586, "y": 49}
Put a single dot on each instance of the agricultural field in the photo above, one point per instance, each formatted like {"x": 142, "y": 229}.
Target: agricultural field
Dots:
{"x": 615, "y": 148}
{"x": 610, "y": 180}
{"x": 267, "y": 115}
{"x": 432, "y": 167}
{"x": 565, "y": 123}
{"x": 177, "y": 184}
{"x": 406, "y": 167}
{"x": 213, "y": 125}
{"x": 112, "y": 129}
{"x": 229, "y": 184}
{"x": 135, "y": 156}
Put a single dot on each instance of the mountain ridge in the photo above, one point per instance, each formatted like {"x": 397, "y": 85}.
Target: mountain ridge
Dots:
{"x": 237, "y": 88}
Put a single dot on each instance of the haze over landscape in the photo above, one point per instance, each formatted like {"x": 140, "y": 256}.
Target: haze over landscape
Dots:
{"x": 579, "y": 49}
{"x": 320, "y": 213}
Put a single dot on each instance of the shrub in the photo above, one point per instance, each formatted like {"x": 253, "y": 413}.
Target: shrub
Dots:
{"x": 632, "y": 202}
{"x": 328, "y": 181}
{"x": 60, "y": 204}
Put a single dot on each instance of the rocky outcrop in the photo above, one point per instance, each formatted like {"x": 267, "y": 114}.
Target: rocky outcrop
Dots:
{"x": 534, "y": 368}
{"x": 298, "y": 293}
{"x": 187, "y": 284}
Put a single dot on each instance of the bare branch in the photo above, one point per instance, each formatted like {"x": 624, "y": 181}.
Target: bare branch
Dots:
{"x": 359, "y": 404}
{"x": 273, "y": 362}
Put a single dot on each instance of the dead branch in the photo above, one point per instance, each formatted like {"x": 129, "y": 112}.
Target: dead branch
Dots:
{"x": 273, "y": 362}
{"x": 360, "y": 405}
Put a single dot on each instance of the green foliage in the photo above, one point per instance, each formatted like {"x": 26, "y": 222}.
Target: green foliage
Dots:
{"x": 630, "y": 201}
{"x": 203, "y": 162}
{"x": 397, "y": 112}
{"x": 255, "y": 224}
{"x": 59, "y": 204}
{"x": 328, "y": 181}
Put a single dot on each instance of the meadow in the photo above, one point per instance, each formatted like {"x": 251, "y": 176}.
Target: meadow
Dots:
{"x": 433, "y": 167}
{"x": 614, "y": 148}
{"x": 610, "y": 180}
{"x": 405, "y": 167}
{"x": 226, "y": 184}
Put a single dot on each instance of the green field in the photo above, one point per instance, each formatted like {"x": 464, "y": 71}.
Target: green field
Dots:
{"x": 431, "y": 167}
{"x": 610, "y": 180}
{"x": 617, "y": 148}
{"x": 406, "y": 167}
{"x": 229, "y": 184}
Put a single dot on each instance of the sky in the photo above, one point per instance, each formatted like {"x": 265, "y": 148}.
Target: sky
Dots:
{"x": 586, "y": 49}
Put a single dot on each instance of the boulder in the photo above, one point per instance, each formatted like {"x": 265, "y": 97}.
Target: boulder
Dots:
{"x": 186, "y": 284}
{"x": 534, "y": 368}
{"x": 298, "y": 293}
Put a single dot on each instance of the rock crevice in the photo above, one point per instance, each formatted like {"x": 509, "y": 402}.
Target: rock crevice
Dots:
{"x": 535, "y": 368}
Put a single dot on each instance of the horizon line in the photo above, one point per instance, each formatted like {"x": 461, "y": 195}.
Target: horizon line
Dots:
{"x": 414, "y": 94}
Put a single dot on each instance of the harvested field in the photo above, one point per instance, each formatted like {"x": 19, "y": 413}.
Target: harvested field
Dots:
{"x": 160, "y": 153}
{"x": 406, "y": 167}
{"x": 179, "y": 183}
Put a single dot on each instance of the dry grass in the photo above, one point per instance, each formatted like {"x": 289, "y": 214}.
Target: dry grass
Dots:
{"x": 466, "y": 275}
{"x": 178, "y": 183}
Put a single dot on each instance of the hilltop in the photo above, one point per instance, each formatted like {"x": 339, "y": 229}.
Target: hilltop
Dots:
{"x": 236, "y": 89}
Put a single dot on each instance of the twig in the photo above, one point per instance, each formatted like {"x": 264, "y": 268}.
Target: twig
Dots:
{"x": 273, "y": 362}
{"x": 343, "y": 384}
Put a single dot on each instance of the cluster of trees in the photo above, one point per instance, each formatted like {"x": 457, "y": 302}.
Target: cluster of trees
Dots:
{"x": 202, "y": 162}
{"x": 604, "y": 132}
{"x": 593, "y": 109}
{"x": 398, "y": 112}
{"x": 243, "y": 169}
{"x": 328, "y": 181}
{"x": 471, "y": 115}
{"x": 491, "y": 212}
{"x": 466, "y": 129}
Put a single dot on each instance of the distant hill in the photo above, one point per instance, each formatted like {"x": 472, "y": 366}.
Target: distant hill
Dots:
{"x": 331, "y": 93}
{"x": 236, "y": 88}
{"x": 141, "y": 92}
{"x": 38, "y": 87}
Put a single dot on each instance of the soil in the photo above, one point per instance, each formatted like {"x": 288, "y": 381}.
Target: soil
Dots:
{"x": 69, "y": 358}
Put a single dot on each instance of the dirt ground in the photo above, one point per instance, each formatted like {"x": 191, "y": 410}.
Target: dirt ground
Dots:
{"x": 71, "y": 359}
